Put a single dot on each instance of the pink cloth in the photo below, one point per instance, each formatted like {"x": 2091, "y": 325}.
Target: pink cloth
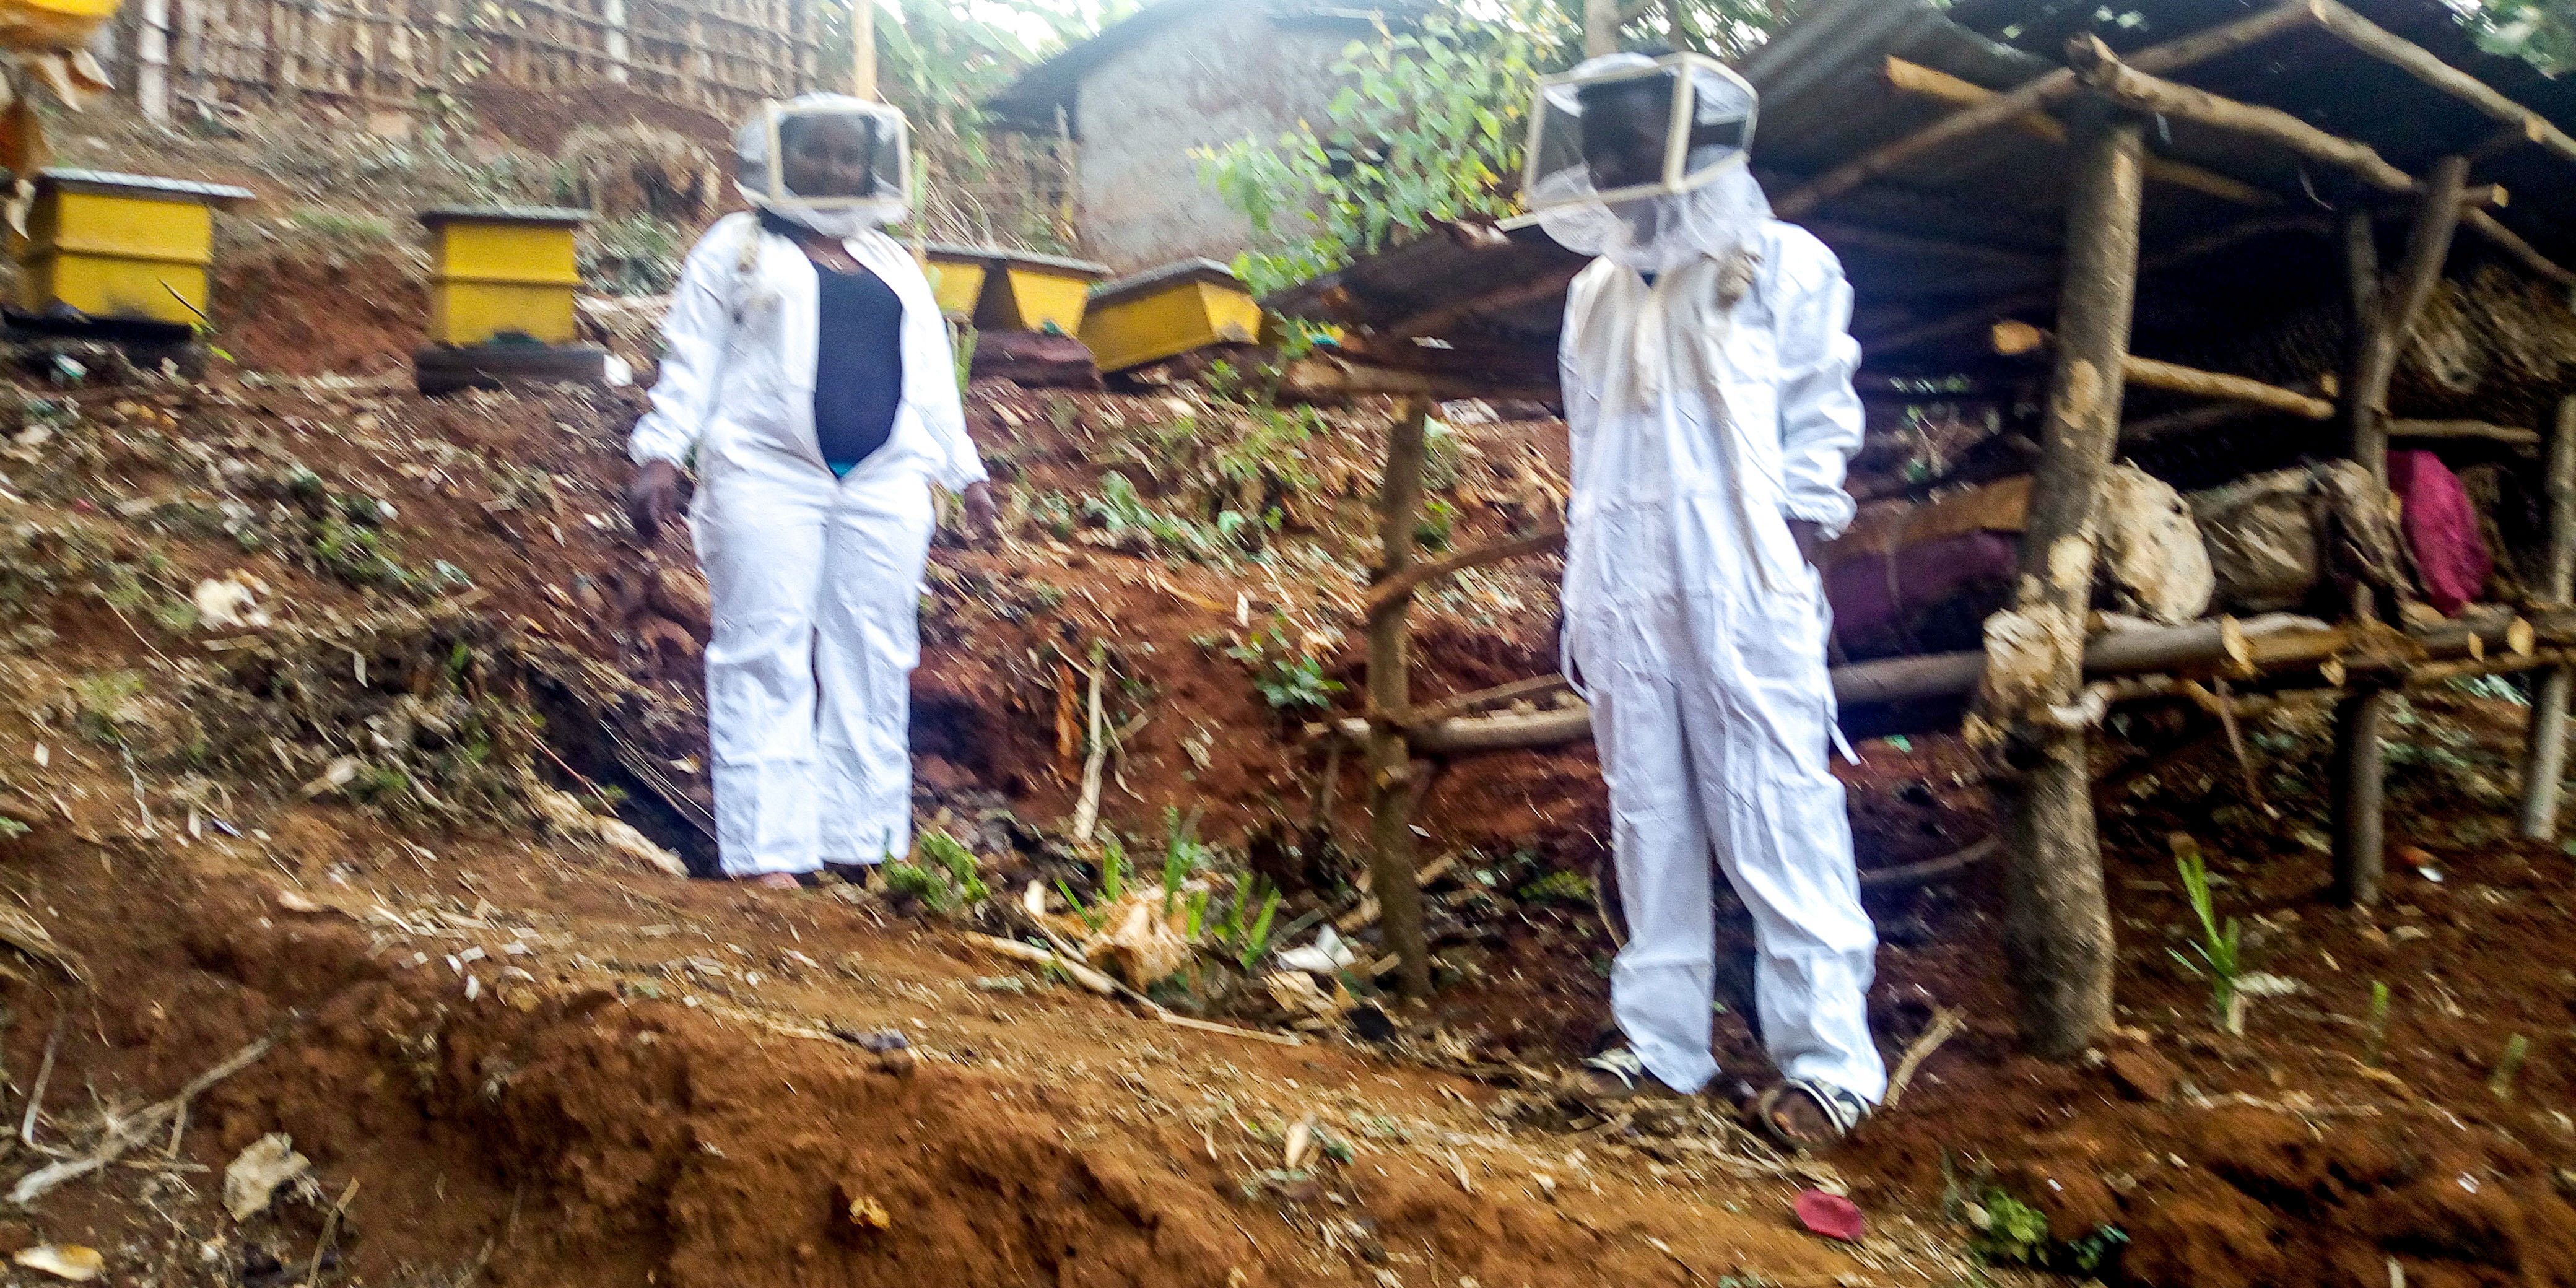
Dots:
{"x": 2442, "y": 529}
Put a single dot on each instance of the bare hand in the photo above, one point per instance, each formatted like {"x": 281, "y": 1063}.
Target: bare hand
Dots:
{"x": 651, "y": 498}
{"x": 983, "y": 519}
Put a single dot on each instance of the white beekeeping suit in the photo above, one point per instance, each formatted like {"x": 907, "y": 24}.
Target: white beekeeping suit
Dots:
{"x": 815, "y": 579}
{"x": 1708, "y": 409}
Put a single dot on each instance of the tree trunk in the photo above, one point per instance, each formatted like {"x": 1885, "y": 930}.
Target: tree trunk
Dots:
{"x": 2057, "y": 928}
{"x": 1390, "y": 760}
{"x": 2544, "y": 762}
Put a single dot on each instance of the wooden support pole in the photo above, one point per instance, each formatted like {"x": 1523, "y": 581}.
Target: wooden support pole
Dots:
{"x": 2360, "y": 774}
{"x": 1915, "y": 78}
{"x": 2057, "y": 926}
{"x": 2401, "y": 303}
{"x": 2042, "y": 92}
{"x": 2544, "y": 757}
{"x": 1390, "y": 761}
{"x": 863, "y": 49}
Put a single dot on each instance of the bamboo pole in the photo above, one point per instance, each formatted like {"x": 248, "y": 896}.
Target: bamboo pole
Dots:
{"x": 1917, "y": 79}
{"x": 2042, "y": 92}
{"x": 2057, "y": 926}
{"x": 2544, "y": 761}
{"x": 2018, "y": 339}
{"x": 1390, "y": 760}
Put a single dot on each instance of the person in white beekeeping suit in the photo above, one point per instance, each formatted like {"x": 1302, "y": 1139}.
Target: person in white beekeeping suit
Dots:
{"x": 1707, "y": 378}
{"x": 808, "y": 372}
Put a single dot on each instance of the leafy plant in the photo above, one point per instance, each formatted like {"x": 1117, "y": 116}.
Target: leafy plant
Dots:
{"x": 1115, "y": 869}
{"x": 1558, "y": 887}
{"x": 2219, "y": 948}
{"x": 1426, "y": 127}
{"x": 2539, "y": 32}
{"x": 1244, "y": 933}
{"x": 1286, "y": 679}
{"x": 11, "y": 829}
{"x": 101, "y": 702}
{"x": 1184, "y": 855}
{"x": 943, "y": 875}
{"x": 2011, "y": 1232}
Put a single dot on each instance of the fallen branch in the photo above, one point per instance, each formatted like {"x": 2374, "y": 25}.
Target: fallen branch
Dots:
{"x": 125, "y": 1134}
{"x": 1086, "y": 814}
{"x": 1097, "y": 982}
{"x": 1903, "y": 875}
{"x": 1945, "y": 1025}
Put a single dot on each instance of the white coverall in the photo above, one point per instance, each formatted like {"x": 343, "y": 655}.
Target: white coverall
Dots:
{"x": 815, "y": 580}
{"x": 1698, "y": 631}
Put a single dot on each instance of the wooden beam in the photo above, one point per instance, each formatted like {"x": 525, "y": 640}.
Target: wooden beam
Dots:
{"x": 2018, "y": 339}
{"x": 2042, "y": 91}
{"x": 2370, "y": 38}
{"x": 2544, "y": 755}
{"x": 1390, "y": 594}
{"x": 2057, "y": 925}
{"x": 2458, "y": 430}
{"x": 2512, "y": 244}
{"x": 1544, "y": 287}
{"x": 1926, "y": 82}
{"x": 1390, "y": 760}
{"x": 2122, "y": 83}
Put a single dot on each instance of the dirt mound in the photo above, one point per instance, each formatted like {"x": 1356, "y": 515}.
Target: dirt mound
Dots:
{"x": 300, "y": 311}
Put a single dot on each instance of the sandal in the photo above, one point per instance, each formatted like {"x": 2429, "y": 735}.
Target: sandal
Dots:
{"x": 1619, "y": 1075}
{"x": 1843, "y": 1113}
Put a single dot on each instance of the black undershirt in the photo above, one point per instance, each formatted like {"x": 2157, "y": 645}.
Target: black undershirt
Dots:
{"x": 858, "y": 359}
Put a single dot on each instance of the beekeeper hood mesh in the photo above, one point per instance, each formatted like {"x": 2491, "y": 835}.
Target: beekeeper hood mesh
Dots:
{"x": 833, "y": 163}
{"x": 1643, "y": 159}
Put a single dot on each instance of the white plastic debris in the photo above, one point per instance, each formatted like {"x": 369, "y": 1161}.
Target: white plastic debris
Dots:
{"x": 1327, "y": 954}
{"x": 254, "y": 1175}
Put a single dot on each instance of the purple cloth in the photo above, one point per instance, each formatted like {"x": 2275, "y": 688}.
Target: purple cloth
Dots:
{"x": 1937, "y": 599}
{"x": 2441, "y": 528}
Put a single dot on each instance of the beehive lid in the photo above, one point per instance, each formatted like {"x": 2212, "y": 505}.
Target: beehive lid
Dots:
{"x": 548, "y": 216}
{"x": 996, "y": 257}
{"x": 113, "y": 184}
{"x": 1169, "y": 275}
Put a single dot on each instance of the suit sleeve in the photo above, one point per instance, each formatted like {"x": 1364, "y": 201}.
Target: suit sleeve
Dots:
{"x": 695, "y": 335}
{"x": 1820, "y": 413}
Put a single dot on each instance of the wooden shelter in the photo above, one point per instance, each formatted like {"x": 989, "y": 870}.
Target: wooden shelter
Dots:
{"x": 2191, "y": 220}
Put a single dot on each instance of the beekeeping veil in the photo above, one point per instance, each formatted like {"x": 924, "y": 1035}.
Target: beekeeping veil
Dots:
{"x": 851, "y": 158}
{"x": 1643, "y": 160}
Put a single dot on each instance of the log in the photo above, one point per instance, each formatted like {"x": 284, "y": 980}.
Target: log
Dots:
{"x": 2456, "y": 430}
{"x": 1390, "y": 760}
{"x": 2057, "y": 925}
{"x": 1388, "y": 595}
{"x": 2123, "y": 83}
{"x": 1323, "y": 377}
{"x": 1915, "y": 78}
{"x": 2043, "y": 91}
{"x": 2019, "y": 339}
{"x": 1501, "y": 695}
{"x": 2544, "y": 758}
{"x": 2416, "y": 61}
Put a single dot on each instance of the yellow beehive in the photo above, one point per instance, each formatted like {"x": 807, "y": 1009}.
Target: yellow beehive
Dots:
{"x": 502, "y": 271}
{"x": 956, "y": 276}
{"x": 1167, "y": 311}
{"x": 1036, "y": 292}
{"x": 119, "y": 245}
{"x": 51, "y": 24}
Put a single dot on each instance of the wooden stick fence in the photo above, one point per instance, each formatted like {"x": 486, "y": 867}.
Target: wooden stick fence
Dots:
{"x": 721, "y": 56}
